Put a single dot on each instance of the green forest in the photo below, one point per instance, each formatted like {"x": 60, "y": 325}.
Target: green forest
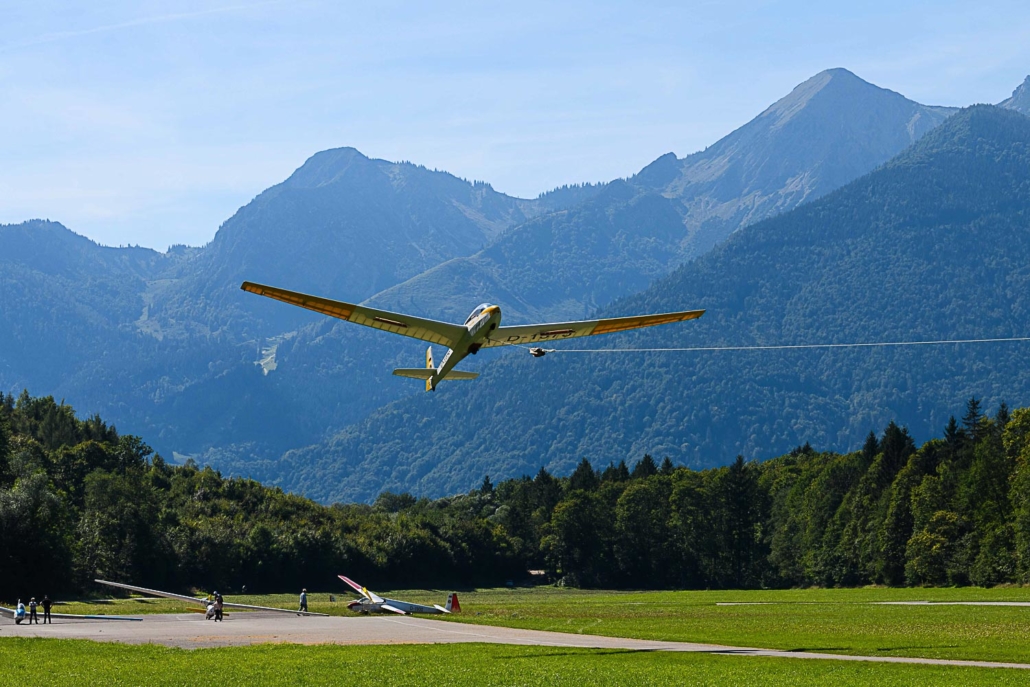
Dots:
{"x": 79, "y": 501}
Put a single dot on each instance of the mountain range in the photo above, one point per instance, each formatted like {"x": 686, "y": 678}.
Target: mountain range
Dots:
{"x": 828, "y": 131}
{"x": 167, "y": 346}
{"x": 934, "y": 245}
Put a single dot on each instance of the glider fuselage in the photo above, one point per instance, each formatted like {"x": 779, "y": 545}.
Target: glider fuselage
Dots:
{"x": 483, "y": 320}
{"x": 367, "y": 606}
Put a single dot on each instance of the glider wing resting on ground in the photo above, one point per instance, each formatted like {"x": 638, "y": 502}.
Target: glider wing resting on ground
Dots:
{"x": 13, "y": 615}
{"x": 201, "y": 601}
{"x": 370, "y": 602}
{"x": 482, "y": 329}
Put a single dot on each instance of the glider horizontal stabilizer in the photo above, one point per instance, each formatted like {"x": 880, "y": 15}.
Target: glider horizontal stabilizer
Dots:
{"x": 425, "y": 373}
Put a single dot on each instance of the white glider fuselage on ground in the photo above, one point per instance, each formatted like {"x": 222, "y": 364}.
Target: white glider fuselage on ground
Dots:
{"x": 482, "y": 329}
{"x": 370, "y": 602}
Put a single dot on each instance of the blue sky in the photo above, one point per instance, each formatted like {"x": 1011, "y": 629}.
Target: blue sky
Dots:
{"x": 151, "y": 122}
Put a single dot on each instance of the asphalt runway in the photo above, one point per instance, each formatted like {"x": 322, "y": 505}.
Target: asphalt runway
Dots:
{"x": 191, "y": 631}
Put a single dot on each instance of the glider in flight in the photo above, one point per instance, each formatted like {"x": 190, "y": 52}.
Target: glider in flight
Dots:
{"x": 370, "y": 602}
{"x": 482, "y": 329}
{"x": 201, "y": 601}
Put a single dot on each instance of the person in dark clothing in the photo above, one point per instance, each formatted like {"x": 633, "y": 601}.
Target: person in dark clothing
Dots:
{"x": 32, "y": 611}
{"x": 47, "y": 603}
{"x": 218, "y": 607}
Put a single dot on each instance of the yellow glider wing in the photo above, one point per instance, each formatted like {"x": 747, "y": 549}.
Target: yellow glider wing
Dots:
{"x": 558, "y": 331}
{"x": 415, "y": 327}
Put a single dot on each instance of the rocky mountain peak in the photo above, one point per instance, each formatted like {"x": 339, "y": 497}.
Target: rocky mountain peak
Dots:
{"x": 325, "y": 167}
{"x": 1020, "y": 100}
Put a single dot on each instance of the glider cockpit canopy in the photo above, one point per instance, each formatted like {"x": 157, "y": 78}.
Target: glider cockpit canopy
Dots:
{"x": 477, "y": 312}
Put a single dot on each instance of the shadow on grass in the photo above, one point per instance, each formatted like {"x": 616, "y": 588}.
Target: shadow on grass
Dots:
{"x": 803, "y": 649}
{"x": 581, "y": 651}
{"x": 909, "y": 648}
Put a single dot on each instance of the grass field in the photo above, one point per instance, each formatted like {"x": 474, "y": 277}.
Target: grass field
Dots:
{"x": 66, "y": 662}
{"x": 831, "y": 621}
{"x": 822, "y": 620}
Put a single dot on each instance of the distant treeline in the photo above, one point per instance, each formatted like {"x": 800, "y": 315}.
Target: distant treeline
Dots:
{"x": 79, "y": 501}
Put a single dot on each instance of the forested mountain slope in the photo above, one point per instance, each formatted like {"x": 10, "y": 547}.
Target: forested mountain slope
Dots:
{"x": 168, "y": 345}
{"x": 66, "y": 302}
{"x": 934, "y": 245}
{"x": 341, "y": 224}
{"x": 829, "y": 130}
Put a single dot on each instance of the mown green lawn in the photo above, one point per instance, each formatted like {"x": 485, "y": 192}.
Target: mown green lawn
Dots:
{"x": 75, "y": 662}
{"x": 820, "y": 620}
{"x": 833, "y": 621}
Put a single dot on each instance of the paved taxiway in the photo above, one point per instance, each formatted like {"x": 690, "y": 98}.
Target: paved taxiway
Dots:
{"x": 191, "y": 631}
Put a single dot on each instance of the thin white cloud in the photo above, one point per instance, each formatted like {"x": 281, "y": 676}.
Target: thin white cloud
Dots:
{"x": 132, "y": 23}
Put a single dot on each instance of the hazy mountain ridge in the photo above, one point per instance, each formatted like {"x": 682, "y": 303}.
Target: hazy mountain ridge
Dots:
{"x": 559, "y": 265}
{"x": 829, "y": 130}
{"x": 167, "y": 345}
{"x": 933, "y": 245}
{"x": 342, "y": 225}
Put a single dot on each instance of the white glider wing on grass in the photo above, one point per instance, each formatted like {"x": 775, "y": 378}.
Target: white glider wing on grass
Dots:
{"x": 10, "y": 613}
{"x": 193, "y": 599}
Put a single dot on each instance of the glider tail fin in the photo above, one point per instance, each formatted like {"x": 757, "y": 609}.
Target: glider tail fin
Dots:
{"x": 452, "y": 603}
{"x": 429, "y": 366}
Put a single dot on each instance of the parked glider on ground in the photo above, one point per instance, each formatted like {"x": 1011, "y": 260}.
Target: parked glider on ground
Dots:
{"x": 482, "y": 329}
{"x": 370, "y": 602}
{"x": 202, "y": 601}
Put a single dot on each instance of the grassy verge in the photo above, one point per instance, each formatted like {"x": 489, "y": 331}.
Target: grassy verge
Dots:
{"x": 824, "y": 620}
{"x": 62, "y": 662}
{"x": 833, "y": 621}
